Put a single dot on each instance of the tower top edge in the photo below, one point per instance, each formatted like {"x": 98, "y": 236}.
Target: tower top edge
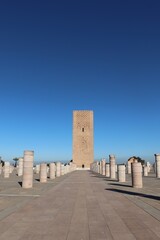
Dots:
{"x": 82, "y": 110}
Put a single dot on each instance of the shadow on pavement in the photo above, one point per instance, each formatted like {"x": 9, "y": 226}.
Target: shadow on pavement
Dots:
{"x": 103, "y": 177}
{"x": 134, "y": 193}
{"x": 37, "y": 180}
{"x": 20, "y": 183}
{"x": 121, "y": 185}
{"x": 111, "y": 180}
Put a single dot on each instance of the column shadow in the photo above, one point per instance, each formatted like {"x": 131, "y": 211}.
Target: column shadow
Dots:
{"x": 121, "y": 185}
{"x": 20, "y": 183}
{"x": 111, "y": 180}
{"x": 134, "y": 193}
{"x": 37, "y": 179}
{"x": 103, "y": 177}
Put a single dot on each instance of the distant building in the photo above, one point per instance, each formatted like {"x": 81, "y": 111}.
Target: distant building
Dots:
{"x": 83, "y": 150}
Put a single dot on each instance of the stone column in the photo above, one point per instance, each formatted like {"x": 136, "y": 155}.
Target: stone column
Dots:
{"x": 67, "y": 168}
{"x": 112, "y": 166}
{"x": 99, "y": 166}
{"x": 6, "y": 169}
{"x": 27, "y": 181}
{"x": 121, "y": 173}
{"x": 103, "y": 166}
{"x": 58, "y": 169}
{"x": 145, "y": 171}
{"x": 154, "y": 167}
{"x": 62, "y": 169}
{"x": 107, "y": 170}
{"x": 20, "y": 167}
{"x": 1, "y": 168}
{"x": 157, "y": 164}
{"x": 137, "y": 175}
{"x": 43, "y": 173}
{"x": 52, "y": 170}
{"x": 148, "y": 166}
{"x": 11, "y": 168}
{"x": 37, "y": 168}
{"x": 96, "y": 167}
{"x": 92, "y": 167}
{"x": 129, "y": 168}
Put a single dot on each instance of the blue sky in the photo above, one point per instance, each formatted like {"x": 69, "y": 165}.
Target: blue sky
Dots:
{"x": 60, "y": 56}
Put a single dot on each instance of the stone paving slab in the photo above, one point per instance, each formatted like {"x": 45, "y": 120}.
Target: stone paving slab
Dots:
{"x": 79, "y": 206}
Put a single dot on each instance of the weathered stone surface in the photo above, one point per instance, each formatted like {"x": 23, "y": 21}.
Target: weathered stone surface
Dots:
{"x": 94, "y": 167}
{"x": 121, "y": 173}
{"x": 20, "y": 167}
{"x": 43, "y": 172}
{"x": 157, "y": 164}
{"x": 128, "y": 167}
{"x": 6, "y": 169}
{"x": 83, "y": 138}
{"x": 52, "y": 170}
{"x": 107, "y": 170}
{"x": 112, "y": 161}
{"x": 145, "y": 171}
{"x": 137, "y": 175}
{"x": 27, "y": 181}
{"x": 1, "y": 168}
{"x": 37, "y": 170}
{"x": 148, "y": 166}
{"x": 58, "y": 169}
{"x": 62, "y": 169}
{"x": 103, "y": 167}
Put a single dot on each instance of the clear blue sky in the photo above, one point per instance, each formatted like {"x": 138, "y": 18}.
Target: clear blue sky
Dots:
{"x": 60, "y": 56}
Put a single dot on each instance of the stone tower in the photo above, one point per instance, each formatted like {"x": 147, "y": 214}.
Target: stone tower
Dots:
{"x": 83, "y": 138}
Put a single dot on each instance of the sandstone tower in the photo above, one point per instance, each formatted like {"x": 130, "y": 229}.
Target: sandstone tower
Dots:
{"x": 83, "y": 138}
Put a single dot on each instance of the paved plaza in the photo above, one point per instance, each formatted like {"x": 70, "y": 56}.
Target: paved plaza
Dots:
{"x": 79, "y": 206}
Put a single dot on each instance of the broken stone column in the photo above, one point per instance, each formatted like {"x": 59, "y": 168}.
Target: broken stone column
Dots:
{"x": 52, "y": 170}
{"x": 37, "y": 170}
{"x": 99, "y": 166}
{"x": 62, "y": 169}
{"x": 121, "y": 173}
{"x": 20, "y": 167}
{"x": 157, "y": 164}
{"x": 148, "y": 166}
{"x": 154, "y": 167}
{"x": 6, "y": 169}
{"x": 145, "y": 171}
{"x": 1, "y": 168}
{"x": 58, "y": 169}
{"x": 129, "y": 168}
{"x": 67, "y": 168}
{"x": 112, "y": 166}
{"x": 43, "y": 173}
{"x": 137, "y": 175}
{"x": 107, "y": 170}
{"x": 92, "y": 167}
{"x": 27, "y": 181}
{"x": 103, "y": 166}
{"x": 11, "y": 168}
